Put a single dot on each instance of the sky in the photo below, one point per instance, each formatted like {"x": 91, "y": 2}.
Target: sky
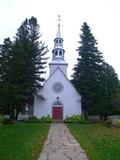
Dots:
{"x": 103, "y": 17}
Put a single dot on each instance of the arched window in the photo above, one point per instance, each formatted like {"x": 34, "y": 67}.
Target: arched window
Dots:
{"x": 56, "y": 41}
{"x": 60, "y": 41}
{"x": 56, "y": 53}
{"x": 60, "y": 53}
{"x": 57, "y": 103}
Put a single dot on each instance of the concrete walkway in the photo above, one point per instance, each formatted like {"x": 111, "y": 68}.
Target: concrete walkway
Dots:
{"x": 61, "y": 145}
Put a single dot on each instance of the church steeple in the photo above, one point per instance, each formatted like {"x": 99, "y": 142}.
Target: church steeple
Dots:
{"x": 58, "y": 51}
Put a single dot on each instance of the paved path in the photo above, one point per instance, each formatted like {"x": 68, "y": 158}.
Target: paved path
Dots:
{"x": 61, "y": 145}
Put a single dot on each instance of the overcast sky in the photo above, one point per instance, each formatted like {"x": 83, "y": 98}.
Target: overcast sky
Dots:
{"x": 103, "y": 16}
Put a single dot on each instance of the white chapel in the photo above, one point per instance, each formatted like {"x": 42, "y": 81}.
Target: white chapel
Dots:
{"x": 61, "y": 98}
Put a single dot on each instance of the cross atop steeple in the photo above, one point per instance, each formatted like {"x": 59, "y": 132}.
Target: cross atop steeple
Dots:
{"x": 59, "y": 20}
{"x": 58, "y": 31}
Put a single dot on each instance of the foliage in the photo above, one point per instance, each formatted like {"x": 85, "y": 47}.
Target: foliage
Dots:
{"x": 4, "y": 120}
{"x": 113, "y": 123}
{"x": 116, "y": 100}
{"x": 109, "y": 88}
{"x": 44, "y": 119}
{"x": 94, "y": 79}
{"x": 32, "y": 120}
{"x": 75, "y": 119}
{"x": 22, "y": 141}
{"x": 8, "y": 121}
{"x": 5, "y": 84}
{"x": 22, "y": 65}
{"x": 118, "y": 123}
{"x": 108, "y": 123}
{"x": 87, "y": 71}
{"x": 1, "y": 118}
{"x": 99, "y": 142}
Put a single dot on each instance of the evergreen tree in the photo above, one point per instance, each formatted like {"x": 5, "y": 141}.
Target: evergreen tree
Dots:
{"x": 108, "y": 93}
{"x": 32, "y": 51}
{"x": 87, "y": 71}
{"x": 5, "y": 84}
{"x": 27, "y": 65}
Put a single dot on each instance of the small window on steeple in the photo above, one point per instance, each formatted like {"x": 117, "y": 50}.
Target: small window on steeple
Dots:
{"x": 60, "y": 41}
{"x": 57, "y": 41}
{"x": 56, "y": 53}
{"x": 60, "y": 53}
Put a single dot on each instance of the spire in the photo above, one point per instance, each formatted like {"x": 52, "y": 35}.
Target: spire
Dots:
{"x": 58, "y": 31}
{"x": 58, "y": 51}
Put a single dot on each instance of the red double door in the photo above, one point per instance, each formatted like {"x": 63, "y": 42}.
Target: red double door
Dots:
{"x": 57, "y": 113}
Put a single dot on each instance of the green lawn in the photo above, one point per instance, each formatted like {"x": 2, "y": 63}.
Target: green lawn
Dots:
{"x": 99, "y": 142}
{"x": 22, "y": 141}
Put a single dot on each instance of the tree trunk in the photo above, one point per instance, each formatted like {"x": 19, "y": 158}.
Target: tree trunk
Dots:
{"x": 12, "y": 114}
{"x": 105, "y": 117}
{"x": 16, "y": 115}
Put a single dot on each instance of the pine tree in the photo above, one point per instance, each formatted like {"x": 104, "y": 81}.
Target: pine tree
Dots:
{"x": 87, "y": 71}
{"x": 6, "y": 91}
{"x": 33, "y": 51}
{"x": 27, "y": 65}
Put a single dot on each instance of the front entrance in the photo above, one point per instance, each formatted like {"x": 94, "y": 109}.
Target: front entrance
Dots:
{"x": 57, "y": 113}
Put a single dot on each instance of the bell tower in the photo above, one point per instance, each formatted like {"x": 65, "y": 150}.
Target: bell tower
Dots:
{"x": 58, "y": 53}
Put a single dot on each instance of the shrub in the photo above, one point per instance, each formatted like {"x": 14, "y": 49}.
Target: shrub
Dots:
{"x": 115, "y": 123}
{"x": 108, "y": 123}
{"x": 1, "y": 118}
{"x": 44, "y": 119}
{"x": 8, "y": 121}
{"x": 32, "y": 120}
{"x": 118, "y": 123}
{"x": 75, "y": 119}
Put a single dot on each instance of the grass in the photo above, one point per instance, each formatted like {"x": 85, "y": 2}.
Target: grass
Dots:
{"x": 99, "y": 142}
{"x": 22, "y": 141}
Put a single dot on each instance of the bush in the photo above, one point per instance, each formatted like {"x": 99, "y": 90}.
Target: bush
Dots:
{"x": 114, "y": 123}
{"x": 118, "y": 123}
{"x": 44, "y": 119}
{"x": 108, "y": 123}
{"x": 8, "y": 121}
{"x": 32, "y": 120}
{"x": 1, "y": 118}
{"x": 75, "y": 119}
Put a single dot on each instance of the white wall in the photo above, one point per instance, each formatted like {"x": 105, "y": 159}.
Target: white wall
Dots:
{"x": 69, "y": 97}
{"x": 53, "y": 67}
